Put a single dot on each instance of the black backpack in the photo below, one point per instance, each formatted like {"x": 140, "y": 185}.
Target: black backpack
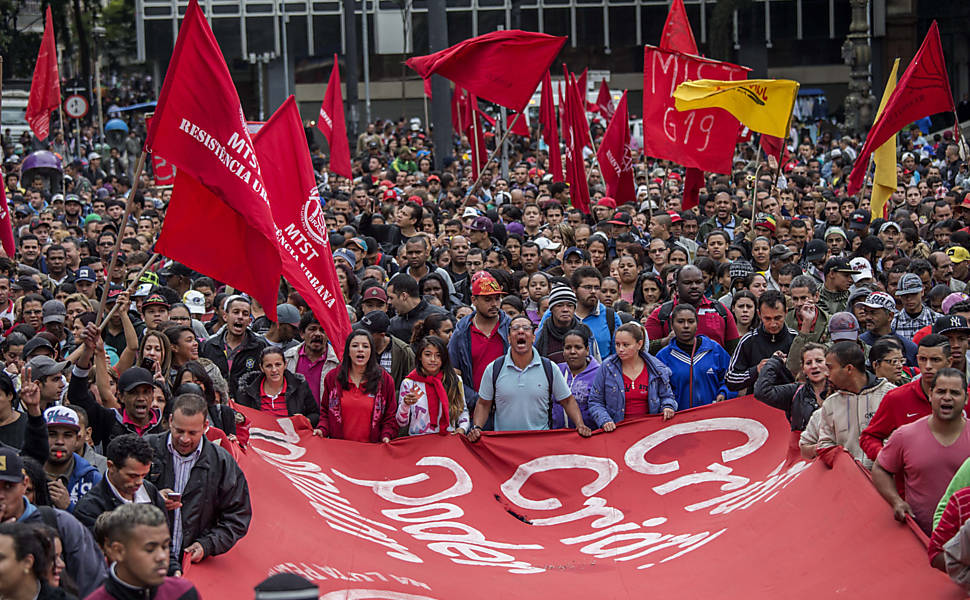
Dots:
{"x": 546, "y": 366}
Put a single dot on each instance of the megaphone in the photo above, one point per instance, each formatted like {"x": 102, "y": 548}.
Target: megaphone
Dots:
{"x": 115, "y": 131}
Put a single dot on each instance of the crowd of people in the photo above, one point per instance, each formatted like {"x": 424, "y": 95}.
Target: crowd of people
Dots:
{"x": 488, "y": 304}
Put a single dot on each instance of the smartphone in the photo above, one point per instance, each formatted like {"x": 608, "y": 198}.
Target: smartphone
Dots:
{"x": 174, "y": 497}
{"x": 148, "y": 363}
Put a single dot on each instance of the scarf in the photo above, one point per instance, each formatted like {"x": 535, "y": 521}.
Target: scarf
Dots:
{"x": 438, "y": 405}
{"x": 552, "y": 332}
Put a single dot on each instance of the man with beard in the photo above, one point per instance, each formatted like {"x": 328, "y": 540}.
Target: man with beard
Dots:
{"x": 522, "y": 386}
{"x": 601, "y": 320}
{"x": 69, "y": 476}
{"x": 135, "y": 388}
{"x": 713, "y": 320}
{"x": 314, "y": 357}
{"x": 481, "y": 337}
{"x": 235, "y": 349}
{"x": 559, "y": 320}
{"x": 926, "y": 452}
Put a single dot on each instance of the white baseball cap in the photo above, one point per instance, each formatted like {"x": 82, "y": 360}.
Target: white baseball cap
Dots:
{"x": 195, "y": 301}
{"x": 863, "y": 267}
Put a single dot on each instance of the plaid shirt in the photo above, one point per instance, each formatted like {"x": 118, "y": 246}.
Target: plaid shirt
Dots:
{"x": 907, "y": 326}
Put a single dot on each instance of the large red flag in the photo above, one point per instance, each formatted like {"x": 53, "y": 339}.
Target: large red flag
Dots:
{"x": 924, "y": 89}
{"x": 503, "y": 67}
{"x": 331, "y": 123}
{"x": 677, "y": 34}
{"x": 517, "y": 126}
{"x": 300, "y": 228}
{"x": 223, "y": 226}
{"x": 772, "y": 146}
{"x": 550, "y": 133}
{"x": 693, "y": 181}
{"x": 576, "y": 135}
{"x": 604, "y": 101}
{"x": 6, "y": 228}
{"x": 615, "y": 158}
{"x": 45, "y": 88}
{"x": 703, "y": 139}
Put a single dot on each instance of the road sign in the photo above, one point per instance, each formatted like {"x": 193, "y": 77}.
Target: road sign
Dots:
{"x": 76, "y": 106}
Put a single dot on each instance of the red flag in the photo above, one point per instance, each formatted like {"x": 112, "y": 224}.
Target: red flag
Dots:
{"x": 6, "y": 228}
{"x": 576, "y": 136}
{"x": 582, "y": 89}
{"x": 615, "y": 157}
{"x": 604, "y": 101}
{"x": 677, "y": 34}
{"x": 703, "y": 139}
{"x": 550, "y": 133}
{"x": 772, "y": 146}
{"x": 45, "y": 88}
{"x": 484, "y": 116}
{"x": 503, "y": 67}
{"x": 460, "y": 110}
{"x": 517, "y": 126}
{"x": 924, "y": 89}
{"x": 476, "y": 139}
{"x": 693, "y": 181}
{"x": 301, "y": 230}
{"x": 223, "y": 225}
{"x": 333, "y": 126}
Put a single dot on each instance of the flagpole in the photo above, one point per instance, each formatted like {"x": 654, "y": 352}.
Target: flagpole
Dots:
{"x": 492, "y": 156}
{"x": 427, "y": 124}
{"x": 129, "y": 205}
{"x": 475, "y": 135}
{"x": 131, "y": 288}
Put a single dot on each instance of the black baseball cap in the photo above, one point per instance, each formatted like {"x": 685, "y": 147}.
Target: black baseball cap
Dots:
{"x": 840, "y": 265}
{"x": 11, "y": 465}
{"x": 134, "y": 377}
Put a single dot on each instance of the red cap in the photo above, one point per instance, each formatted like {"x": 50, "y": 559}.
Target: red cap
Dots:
{"x": 417, "y": 200}
{"x": 607, "y": 201}
{"x": 674, "y": 176}
{"x": 483, "y": 284}
{"x": 375, "y": 293}
{"x": 387, "y": 183}
{"x": 674, "y": 216}
{"x": 388, "y": 194}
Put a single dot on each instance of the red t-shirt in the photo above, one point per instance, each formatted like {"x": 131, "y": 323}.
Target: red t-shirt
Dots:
{"x": 637, "y": 392}
{"x": 485, "y": 349}
{"x": 274, "y": 405}
{"x": 357, "y": 409}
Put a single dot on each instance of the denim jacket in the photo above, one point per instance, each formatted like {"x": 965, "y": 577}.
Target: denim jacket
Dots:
{"x": 607, "y": 399}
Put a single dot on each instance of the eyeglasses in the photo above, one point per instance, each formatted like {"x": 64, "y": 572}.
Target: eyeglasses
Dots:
{"x": 590, "y": 288}
{"x": 520, "y": 328}
{"x": 896, "y": 362}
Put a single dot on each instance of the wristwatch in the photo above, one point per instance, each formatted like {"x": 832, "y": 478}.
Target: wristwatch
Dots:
{"x": 478, "y": 427}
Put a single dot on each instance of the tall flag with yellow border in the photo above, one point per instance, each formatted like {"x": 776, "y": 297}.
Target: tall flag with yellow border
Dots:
{"x": 764, "y": 105}
{"x": 884, "y": 180}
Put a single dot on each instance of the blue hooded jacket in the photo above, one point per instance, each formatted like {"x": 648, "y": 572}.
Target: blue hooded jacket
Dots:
{"x": 607, "y": 400}
{"x": 710, "y": 364}
{"x": 84, "y": 477}
{"x": 460, "y": 353}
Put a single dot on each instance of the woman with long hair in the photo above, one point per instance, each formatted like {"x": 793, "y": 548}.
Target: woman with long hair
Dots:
{"x": 760, "y": 251}
{"x": 358, "y": 401}
{"x": 628, "y": 271}
{"x": 539, "y": 286}
{"x": 440, "y": 325}
{"x": 598, "y": 247}
{"x": 744, "y": 306}
{"x": 278, "y": 391}
{"x": 433, "y": 284}
{"x": 649, "y": 293}
{"x": 432, "y": 399}
{"x": 631, "y": 383}
{"x": 27, "y": 564}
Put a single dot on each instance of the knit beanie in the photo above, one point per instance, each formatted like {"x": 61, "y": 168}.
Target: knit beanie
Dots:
{"x": 286, "y": 586}
{"x": 560, "y": 294}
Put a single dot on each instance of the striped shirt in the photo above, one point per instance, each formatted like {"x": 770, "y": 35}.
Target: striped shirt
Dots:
{"x": 955, "y": 514}
{"x": 182, "y": 465}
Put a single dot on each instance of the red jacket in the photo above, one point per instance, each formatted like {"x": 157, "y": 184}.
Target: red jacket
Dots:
{"x": 900, "y": 406}
{"x": 383, "y": 423}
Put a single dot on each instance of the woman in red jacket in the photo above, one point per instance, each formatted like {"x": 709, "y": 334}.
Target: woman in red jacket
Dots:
{"x": 358, "y": 401}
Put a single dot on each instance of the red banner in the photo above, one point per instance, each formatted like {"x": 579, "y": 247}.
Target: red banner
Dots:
{"x": 575, "y": 133}
{"x": 45, "y": 87}
{"x": 6, "y": 227}
{"x": 703, "y": 139}
{"x": 677, "y": 34}
{"x": 705, "y": 503}
{"x": 333, "y": 126}
{"x": 199, "y": 127}
{"x": 300, "y": 227}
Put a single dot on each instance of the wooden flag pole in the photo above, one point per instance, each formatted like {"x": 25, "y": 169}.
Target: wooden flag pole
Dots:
{"x": 491, "y": 157}
{"x": 129, "y": 205}
{"x": 131, "y": 288}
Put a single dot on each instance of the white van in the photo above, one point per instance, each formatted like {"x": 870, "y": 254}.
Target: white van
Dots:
{"x": 13, "y": 113}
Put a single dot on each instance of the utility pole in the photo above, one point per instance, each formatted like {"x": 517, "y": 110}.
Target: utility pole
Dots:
{"x": 440, "y": 92}
{"x": 350, "y": 56}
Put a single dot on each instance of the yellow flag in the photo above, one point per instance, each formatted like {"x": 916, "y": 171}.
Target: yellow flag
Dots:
{"x": 764, "y": 105}
{"x": 884, "y": 181}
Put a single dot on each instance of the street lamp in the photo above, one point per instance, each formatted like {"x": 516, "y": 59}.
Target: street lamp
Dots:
{"x": 260, "y": 61}
{"x": 99, "y": 33}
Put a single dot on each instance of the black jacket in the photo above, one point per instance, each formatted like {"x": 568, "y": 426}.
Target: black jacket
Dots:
{"x": 402, "y": 325}
{"x": 245, "y": 360}
{"x": 216, "y": 511}
{"x": 28, "y": 435}
{"x": 173, "y": 588}
{"x": 777, "y": 387}
{"x": 106, "y": 423}
{"x": 299, "y": 398}
{"x": 101, "y": 499}
{"x": 753, "y": 347}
